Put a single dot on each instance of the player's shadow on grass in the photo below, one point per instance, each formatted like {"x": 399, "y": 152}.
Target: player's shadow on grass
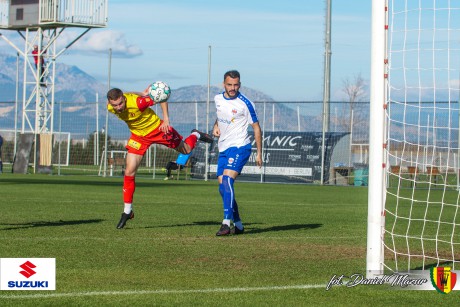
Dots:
{"x": 251, "y": 230}
{"x": 110, "y": 181}
{"x": 58, "y": 181}
{"x": 47, "y": 224}
{"x": 202, "y": 223}
{"x": 249, "y": 227}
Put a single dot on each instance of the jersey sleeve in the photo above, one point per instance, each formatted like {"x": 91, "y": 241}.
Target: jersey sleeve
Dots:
{"x": 144, "y": 102}
{"x": 251, "y": 114}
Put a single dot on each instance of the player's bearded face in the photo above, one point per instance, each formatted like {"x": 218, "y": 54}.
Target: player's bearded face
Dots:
{"x": 119, "y": 104}
{"x": 232, "y": 86}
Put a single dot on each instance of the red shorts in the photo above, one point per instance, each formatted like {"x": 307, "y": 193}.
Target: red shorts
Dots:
{"x": 139, "y": 144}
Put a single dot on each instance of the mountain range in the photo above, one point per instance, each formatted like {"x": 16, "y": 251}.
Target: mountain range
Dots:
{"x": 76, "y": 90}
{"x": 74, "y": 85}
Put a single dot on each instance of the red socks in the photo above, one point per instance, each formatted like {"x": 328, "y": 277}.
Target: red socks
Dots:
{"x": 191, "y": 141}
{"x": 129, "y": 185}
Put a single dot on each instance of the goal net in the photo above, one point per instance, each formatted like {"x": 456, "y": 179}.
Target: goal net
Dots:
{"x": 414, "y": 216}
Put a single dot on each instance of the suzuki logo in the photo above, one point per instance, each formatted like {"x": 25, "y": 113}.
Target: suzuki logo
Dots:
{"x": 27, "y": 267}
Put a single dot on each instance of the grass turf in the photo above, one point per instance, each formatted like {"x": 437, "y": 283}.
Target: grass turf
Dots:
{"x": 296, "y": 238}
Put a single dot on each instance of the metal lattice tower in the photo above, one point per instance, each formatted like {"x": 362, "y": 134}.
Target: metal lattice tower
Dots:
{"x": 41, "y": 23}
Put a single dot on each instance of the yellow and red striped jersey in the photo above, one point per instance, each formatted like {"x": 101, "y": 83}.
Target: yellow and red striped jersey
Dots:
{"x": 138, "y": 115}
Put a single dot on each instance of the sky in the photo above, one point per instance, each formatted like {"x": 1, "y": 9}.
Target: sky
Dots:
{"x": 278, "y": 46}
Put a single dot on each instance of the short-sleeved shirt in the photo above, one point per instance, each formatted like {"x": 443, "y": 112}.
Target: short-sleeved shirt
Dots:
{"x": 233, "y": 117}
{"x": 138, "y": 115}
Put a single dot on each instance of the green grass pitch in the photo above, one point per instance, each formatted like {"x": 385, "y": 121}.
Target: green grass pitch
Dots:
{"x": 297, "y": 237}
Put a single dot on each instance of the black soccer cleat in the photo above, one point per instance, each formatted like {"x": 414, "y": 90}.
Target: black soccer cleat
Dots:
{"x": 236, "y": 231}
{"x": 204, "y": 137}
{"x": 124, "y": 218}
{"x": 223, "y": 231}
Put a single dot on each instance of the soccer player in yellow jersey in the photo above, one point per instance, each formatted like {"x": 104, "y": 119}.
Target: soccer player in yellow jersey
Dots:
{"x": 146, "y": 129}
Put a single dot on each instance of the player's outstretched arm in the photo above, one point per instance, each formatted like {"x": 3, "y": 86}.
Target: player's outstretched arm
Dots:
{"x": 143, "y": 93}
{"x": 164, "y": 127}
{"x": 146, "y": 91}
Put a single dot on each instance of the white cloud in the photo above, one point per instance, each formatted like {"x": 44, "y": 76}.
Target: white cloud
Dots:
{"x": 454, "y": 84}
{"x": 74, "y": 109}
{"x": 5, "y": 111}
{"x": 100, "y": 42}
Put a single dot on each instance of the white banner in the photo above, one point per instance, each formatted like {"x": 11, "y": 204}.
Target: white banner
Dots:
{"x": 272, "y": 170}
{"x": 27, "y": 274}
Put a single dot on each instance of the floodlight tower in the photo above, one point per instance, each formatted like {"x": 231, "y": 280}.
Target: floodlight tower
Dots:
{"x": 40, "y": 23}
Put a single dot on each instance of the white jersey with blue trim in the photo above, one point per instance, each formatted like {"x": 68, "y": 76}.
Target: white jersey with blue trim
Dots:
{"x": 233, "y": 117}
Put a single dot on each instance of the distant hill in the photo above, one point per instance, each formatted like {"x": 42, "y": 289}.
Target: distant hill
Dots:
{"x": 200, "y": 93}
{"x": 74, "y": 85}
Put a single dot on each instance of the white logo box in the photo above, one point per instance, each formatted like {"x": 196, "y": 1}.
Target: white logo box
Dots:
{"x": 28, "y": 274}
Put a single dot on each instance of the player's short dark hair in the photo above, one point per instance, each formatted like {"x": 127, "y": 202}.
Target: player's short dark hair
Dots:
{"x": 232, "y": 74}
{"x": 114, "y": 94}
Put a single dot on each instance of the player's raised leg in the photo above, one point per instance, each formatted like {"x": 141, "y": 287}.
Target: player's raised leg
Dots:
{"x": 189, "y": 143}
{"x": 204, "y": 137}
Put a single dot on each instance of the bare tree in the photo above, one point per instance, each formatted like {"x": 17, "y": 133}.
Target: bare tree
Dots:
{"x": 354, "y": 90}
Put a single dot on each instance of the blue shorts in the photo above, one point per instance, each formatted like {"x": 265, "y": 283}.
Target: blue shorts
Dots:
{"x": 233, "y": 158}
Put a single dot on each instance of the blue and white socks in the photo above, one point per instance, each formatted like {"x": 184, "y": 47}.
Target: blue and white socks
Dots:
{"x": 230, "y": 206}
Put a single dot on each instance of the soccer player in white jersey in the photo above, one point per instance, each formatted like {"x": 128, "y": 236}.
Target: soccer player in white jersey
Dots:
{"x": 235, "y": 113}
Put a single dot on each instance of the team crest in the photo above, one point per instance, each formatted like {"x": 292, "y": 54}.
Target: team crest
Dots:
{"x": 234, "y": 111}
{"x": 442, "y": 279}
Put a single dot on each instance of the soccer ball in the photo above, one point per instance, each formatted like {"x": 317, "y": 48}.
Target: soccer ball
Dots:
{"x": 159, "y": 91}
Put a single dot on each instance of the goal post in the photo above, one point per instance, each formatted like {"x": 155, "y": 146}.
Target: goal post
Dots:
{"x": 374, "y": 259}
{"x": 414, "y": 198}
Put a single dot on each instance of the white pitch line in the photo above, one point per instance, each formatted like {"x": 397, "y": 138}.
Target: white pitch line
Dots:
{"x": 215, "y": 290}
